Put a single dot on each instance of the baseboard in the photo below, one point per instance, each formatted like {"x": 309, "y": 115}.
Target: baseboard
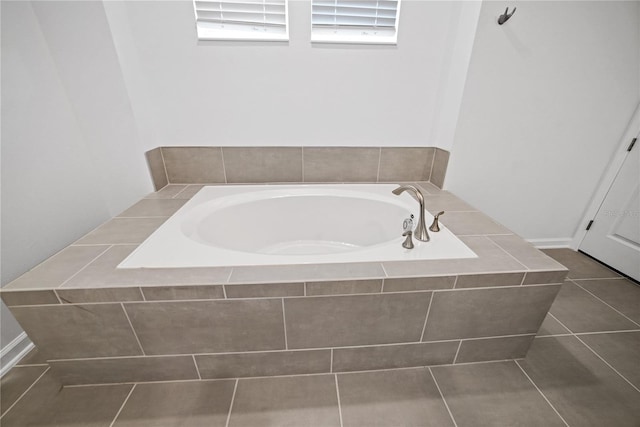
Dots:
{"x": 551, "y": 243}
{"x": 13, "y": 352}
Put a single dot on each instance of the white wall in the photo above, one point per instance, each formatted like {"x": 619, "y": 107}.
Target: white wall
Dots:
{"x": 70, "y": 155}
{"x": 547, "y": 98}
{"x": 213, "y": 93}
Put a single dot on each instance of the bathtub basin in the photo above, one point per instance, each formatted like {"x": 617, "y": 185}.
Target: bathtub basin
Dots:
{"x": 240, "y": 225}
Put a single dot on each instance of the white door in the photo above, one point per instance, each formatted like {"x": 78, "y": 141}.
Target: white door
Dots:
{"x": 614, "y": 234}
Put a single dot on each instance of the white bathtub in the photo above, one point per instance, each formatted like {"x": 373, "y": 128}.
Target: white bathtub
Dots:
{"x": 239, "y": 225}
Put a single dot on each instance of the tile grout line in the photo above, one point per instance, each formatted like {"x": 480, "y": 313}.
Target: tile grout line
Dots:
{"x": 122, "y": 407}
{"x": 338, "y": 396}
{"x": 224, "y": 168}
{"x": 193, "y": 356}
{"x": 605, "y": 303}
{"x": 382, "y": 286}
{"x": 252, "y": 298}
{"x": 524, "y": 276}
{"x": 424, "y": 327}
{"x": 541, "y": 393}
{"x": 164, "y": 166}
{"x": 561, "y": 324}
{"x": 331, "y": 363}
{"x": 607, "y": 363}
{"x": 144, "y": 298}
{"x": 446, "y": 365}
{"x": 455, "y": 281}
{"x": 132, "y": 328}
{"x": 25, "y": 392}
{"x": 85, "y": 266}
{"x": 457, "y": 352}
{"x": 284, "y": 324}
{"x": 233, "y": 397}
{"x": 175, "y": 196}
{"x": 446, "y": 405}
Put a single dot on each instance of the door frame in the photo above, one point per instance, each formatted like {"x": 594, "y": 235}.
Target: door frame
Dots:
{"x": 608, "y": 178}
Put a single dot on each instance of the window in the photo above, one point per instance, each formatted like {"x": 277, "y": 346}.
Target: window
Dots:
{"x": 242, "y": 20}
{"x": 355, "y": 21}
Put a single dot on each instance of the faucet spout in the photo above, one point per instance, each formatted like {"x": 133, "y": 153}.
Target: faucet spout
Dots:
{"x": 421, "y": 232}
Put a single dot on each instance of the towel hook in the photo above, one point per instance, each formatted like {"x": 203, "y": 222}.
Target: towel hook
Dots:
{"x": 505, "y": 17}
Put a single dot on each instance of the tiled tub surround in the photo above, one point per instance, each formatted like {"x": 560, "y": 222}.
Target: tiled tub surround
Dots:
{"x": 96, "y": 324}
{"x": 254, "y": 165}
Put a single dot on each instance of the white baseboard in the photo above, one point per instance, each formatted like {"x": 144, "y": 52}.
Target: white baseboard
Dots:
{"x": 13, "y": 352}
{"x": 551, "y": 243}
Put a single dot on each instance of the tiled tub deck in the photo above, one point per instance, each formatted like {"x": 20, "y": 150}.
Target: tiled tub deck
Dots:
{"x": 96, "y": 324}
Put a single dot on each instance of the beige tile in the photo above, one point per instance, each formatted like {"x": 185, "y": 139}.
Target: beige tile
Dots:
{"x": 262, "y": 290}
{"x": 405, "y": 164}
{"x": 439, "y": 171}
{"x": 189, "y": 192}
{"x": 580, "y": 266}
{"x": 429, "y": 189}
{"x": 343, "y": 287}
{"x": 407, "y": 397}
{"x": 340, "y": 164}
{"x": 500, "y": 348}
{"x": 352, "y": 320}
{"x": 491, "y": 259}
{"x": 16, "y": 298}
{"x": 263, "y": 164}
{"x": 159, "y": 293}
{"x": 541, "y": 277}
{"x": 168, "y": 192}
{"x": 528, "y": 255}
{"x": 471, "y": 223}
{"x": 154, "y": 207}
{"x": 445, "y": 201}
{"x": 258, "y": 364}
{"x": 493, "y": 394}
{"x": 418, "y": 283}
{"x": 15, "y": 382}
{"x": 72, "y": 331}
{"x": 122, "y": 231}
{"x": 202, "y": 403}
{"x": 34, "y": 357}
{"x": 621, "y": 294}
{"x": 73, "y": 296}
{"x": 60, "y": 267}
{"x": 393, "y": 356}
{"x": 580, "y": 311}
{"x": 551, "y": 326}
{"x": 156, "y": 168}
{"x": 124, "y": 369}
{"x": 193, "y": 165}
{"x": 583, "y": 389}
{"x": 489, "y": 280}
{"x": 620, "y": 350}
{"x": 103, "y": 273}
{"x": 475, "y": 313}
{"x": 208, "y": 326}
{"x": 286, "y": 401}
{"x": 306, "y": 272}
{"x": 49, "y": 404}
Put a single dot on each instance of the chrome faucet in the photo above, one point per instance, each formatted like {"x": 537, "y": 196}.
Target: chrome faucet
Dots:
{"x": 421, "y": 230}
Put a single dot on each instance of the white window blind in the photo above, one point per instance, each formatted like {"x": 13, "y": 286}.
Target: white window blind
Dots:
{"x": 355, "y": 21}
{"x": 241, "y": 19}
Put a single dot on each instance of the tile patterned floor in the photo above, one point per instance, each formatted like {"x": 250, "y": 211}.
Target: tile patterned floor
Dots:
{"x": 583, "y": 369}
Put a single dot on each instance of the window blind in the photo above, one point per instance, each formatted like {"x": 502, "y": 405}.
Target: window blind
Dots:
{"x": 241, "y": 19}
{"x": 373, "y": 21}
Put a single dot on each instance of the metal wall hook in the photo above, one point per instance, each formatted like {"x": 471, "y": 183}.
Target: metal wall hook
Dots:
{"x": 505, "y": 17}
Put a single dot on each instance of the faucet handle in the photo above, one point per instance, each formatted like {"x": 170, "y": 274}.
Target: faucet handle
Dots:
{"x": 408, "y": 243}
{"x": 435, "y": 226}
